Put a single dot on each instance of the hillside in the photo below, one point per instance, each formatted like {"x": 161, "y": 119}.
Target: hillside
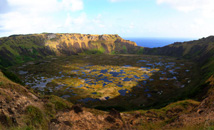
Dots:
{"x": 200, "y": 51}
{"x": 64, "y": 55}
{"x": 21, "y": 48}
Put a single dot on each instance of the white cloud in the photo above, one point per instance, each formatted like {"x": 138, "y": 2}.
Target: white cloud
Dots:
{"x": 132, "y": 25}
{"x": 72, "y": 22}
{"x": 16, "y": 23}
{"x": 36, "y": 16}
{"x": 113, "y": 1}
{"x": 84, "y": 24}
{"x": 73, "y": 5}
{"x": 46, "y": 5}
{"x": 99, "y": 21}
{"x": 190, "y": 5}
{"x": 199, "y": 16}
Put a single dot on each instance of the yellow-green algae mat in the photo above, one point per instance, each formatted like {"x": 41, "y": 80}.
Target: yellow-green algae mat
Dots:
{"x": 137, "y": 79}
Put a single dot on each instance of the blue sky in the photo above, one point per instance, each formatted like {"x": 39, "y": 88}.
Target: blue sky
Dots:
{"x": 128, "y": 18}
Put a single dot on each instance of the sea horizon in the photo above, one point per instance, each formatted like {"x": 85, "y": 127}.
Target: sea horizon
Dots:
{"x": 153, "y": 42}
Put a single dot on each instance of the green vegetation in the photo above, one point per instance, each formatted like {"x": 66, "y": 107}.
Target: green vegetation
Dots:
{"x": 91, "y": 75}
{"x": 54, "y": 105}
{"x": 113, "y": 52}
{"x": 94, "y": 51}
{"x": 140, "y": 51}
{"x": 59, "y": 103}
{"x": 18, "y": 49}
{"x": 124, "y": 49}
{"x": 106, "y": 76}
{"x": 13, "y": 77}
{"x": 35, "y": 115}
{"x": 168, "y": 113}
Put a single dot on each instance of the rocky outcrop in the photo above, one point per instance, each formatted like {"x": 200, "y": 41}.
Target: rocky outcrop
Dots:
{"x": 22, "y": 108}
{"x": 14, "y": 99}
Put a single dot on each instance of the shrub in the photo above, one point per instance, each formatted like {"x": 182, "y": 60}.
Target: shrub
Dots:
{"x": 93, "y": 51}
{"x": 113, "y": 52}
{"x": 59, "y": 103}
{"x": 10, "y": 75}
{"x": 140, "y": 51}
{"x": 124, "y": 49}
{"x": 50, "y": 109}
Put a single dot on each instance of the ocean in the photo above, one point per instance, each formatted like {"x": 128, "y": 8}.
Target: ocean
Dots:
{"x": 156, "y": 42}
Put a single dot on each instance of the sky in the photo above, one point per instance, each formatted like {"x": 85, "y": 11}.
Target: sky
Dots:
{"x": 128, "y": 18}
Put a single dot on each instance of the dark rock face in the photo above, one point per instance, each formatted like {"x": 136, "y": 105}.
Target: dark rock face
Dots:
{"x": 103, "y": 37}
{"x": 91, "y": 37}
{"x": 55, "y": 121}
{"x": 3, "y": 119}
{"x": 115, "y": 113}
{"x": 110, "y": 119}
{"x": 77, "y": 108}
{"x": 10, "y": 111}
{"x": 199, "y": 111}
{"x": 67, "y": 123}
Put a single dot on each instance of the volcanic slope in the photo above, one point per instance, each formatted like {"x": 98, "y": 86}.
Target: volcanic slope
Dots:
{"x": 24, "y": 108}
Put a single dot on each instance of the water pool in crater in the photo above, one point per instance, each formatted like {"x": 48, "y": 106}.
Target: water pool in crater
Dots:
{"x": 92, "y": 78}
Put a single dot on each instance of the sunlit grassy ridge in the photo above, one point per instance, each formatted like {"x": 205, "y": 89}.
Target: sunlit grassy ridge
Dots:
{"x": 21, "y": 48}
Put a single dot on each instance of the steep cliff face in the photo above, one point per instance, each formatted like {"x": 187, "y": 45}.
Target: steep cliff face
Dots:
{"x": 22, "y": 48}
{"x": 76, "y": 43}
